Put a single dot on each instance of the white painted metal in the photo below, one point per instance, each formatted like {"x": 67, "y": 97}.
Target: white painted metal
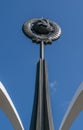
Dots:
{"x": 9, "y": 109}
{"x": 75, "y": 107}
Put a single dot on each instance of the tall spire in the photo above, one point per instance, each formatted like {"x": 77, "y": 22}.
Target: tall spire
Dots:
{"x": 41, "y": 115}
{"x": 41, "y": 31}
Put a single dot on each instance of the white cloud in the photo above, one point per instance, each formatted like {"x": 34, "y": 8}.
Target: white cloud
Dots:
{"x": 53, "y": 85}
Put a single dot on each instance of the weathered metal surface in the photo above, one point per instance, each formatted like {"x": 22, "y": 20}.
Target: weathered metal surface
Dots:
{"x": 40, "y": 29}
{"x": 41, "y": 115}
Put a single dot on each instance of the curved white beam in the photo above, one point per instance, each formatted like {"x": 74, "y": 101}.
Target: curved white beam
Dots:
{"x": 8, "y": 107}
{"x": 75, "y": 107}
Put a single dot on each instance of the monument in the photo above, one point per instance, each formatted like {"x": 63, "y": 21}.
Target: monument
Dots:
{"x": 43, "y": 32}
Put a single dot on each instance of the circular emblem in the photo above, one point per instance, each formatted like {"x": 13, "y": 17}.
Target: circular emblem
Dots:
{"x": 40, "y": 29}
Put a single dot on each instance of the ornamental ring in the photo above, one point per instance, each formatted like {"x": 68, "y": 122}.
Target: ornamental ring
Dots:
{"x": 41, "y": 29}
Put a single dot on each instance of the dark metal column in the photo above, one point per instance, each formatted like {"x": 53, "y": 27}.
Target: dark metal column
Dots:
{"x": 42, "y": 50}
{"x": 41, "y": 31}
{"x": 41, "y": 115}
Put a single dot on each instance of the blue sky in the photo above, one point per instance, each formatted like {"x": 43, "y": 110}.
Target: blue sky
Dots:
{"x": 18, "y": 56}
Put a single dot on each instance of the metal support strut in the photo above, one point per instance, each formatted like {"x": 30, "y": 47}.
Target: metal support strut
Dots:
{"x": 42, "y": 50}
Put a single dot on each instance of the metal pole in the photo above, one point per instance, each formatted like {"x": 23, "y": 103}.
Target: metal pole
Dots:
{"x": 42, "y": 50}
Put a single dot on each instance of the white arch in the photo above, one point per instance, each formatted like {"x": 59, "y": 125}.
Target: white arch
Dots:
{"x": 75, "y": 107}
{"x": 8, "y": 107}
